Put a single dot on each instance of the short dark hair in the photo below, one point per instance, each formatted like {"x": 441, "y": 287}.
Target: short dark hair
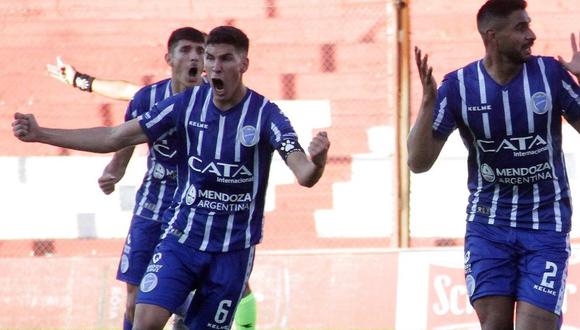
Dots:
{"x": 229, "y": 35}
{"x": 497, "y": 9}
{"x": 185, "y": 33}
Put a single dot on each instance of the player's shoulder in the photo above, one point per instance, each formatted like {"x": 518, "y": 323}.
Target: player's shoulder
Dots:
{"x": 465, "y": 71}
{"x": 260, "y": 101}
{"x": 145, "y": 91}
{"x": 548, "y": 62}
{"x": 183, "y": 98}
{"x": 545, "y": 65}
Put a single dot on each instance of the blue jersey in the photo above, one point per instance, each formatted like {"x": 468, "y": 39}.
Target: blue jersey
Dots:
{"x": 517, "y": 175}
{"x": 223, "y": 163}
{"x": 159, "y": 183}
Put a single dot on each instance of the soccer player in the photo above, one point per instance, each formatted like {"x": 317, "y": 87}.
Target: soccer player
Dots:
{"x": 184, "y": 55}
{"x": 508, "y": 108}
{"x": 227, "y": 134}
{"x": 246, "y": 313}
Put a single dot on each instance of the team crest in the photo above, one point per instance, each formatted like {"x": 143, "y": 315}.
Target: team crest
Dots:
{"x": 470, "y": 283}
{"x": 191, "y": 195}
{"x": 248, "y": 136}
{"x": 540, "y": 103}
{"x": 149, "y": 282}
{"x": 158, "y": 171}
{"x": 124, "y": 264}
{"x": 487, "y": 173}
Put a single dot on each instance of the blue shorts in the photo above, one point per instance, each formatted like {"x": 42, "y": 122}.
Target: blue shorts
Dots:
{"x": 528, "y": 265}
{"x": 139, "y": 246}
{"x": 219, "y": 279}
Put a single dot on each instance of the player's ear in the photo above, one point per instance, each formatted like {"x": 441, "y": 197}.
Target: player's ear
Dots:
{"x": 245, "y": 64}
{"x": 168, "y": 59}
{"x": 488, "y": 37}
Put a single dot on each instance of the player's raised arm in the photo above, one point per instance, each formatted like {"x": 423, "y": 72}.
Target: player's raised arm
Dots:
{"x": 574, "y": 65}
{"x": 97, "y": 139}
{"x": 423, "y": 147}
{"x": 115, "y": 89}
{"x": 309, "y": 171}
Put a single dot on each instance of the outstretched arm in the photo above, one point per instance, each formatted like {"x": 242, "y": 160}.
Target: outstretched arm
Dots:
{"x": 309, "y": 171}
{"x": 115, "y": 89}
{"x": 97, "y": 139}
{"x": 115, "y": 170}
{"x": 574, "y": 65}
{"x": 423, "y": 147}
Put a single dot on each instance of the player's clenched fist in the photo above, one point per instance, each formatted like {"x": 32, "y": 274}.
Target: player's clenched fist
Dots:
{"x": 107, "y": 182}
{"x": 318, "y": 149}
{"x": 25, "y": 127}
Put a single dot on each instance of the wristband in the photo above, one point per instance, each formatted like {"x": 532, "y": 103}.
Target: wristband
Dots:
{"x": 84, "y": 82}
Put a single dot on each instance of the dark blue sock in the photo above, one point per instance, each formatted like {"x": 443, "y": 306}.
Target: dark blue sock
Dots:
{"x": 127, "y": 325}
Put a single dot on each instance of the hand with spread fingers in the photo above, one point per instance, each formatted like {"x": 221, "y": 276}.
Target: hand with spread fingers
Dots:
{"x": 61, "y": 71}
{"x": 574, "y": 65}
{"x": 426, "y": 75}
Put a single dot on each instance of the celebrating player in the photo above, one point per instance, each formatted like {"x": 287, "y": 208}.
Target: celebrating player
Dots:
{"x": 246, "y": 313}
{"x": 227, "y": 134}
{"x": 508, "y": 108}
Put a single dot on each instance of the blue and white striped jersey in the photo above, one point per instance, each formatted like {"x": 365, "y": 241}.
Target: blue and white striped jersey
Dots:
{"x": 517, "y": 174}
{"x": 160, "y": 181}
{"x": 223, "y": 163}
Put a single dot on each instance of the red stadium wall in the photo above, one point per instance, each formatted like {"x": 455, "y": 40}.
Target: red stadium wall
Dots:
{"x": 349, "y": 66}
{"x": 337, "y": 50}
{"x": 422, "y": 289}
{"x": 332, "y": 50}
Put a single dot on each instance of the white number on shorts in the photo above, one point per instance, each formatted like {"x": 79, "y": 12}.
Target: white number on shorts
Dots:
{"x": 222, "y": 313}
{"x": 549, "y": 274}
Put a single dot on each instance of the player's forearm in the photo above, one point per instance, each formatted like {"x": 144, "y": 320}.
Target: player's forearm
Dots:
{"x": 115, "y": 89}
{"x": 120, "y": 161}
{"x": 310, "y": 175}
{"x": 307, "y": 172}
{"x": 421, "y": 142}
{"x": 98, "y": 139}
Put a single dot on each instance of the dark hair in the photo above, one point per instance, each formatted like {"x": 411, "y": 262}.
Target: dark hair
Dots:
{"x": 497, "y": 9}
{"x": 229, "y": 35}
{"x": 185, "y": 33}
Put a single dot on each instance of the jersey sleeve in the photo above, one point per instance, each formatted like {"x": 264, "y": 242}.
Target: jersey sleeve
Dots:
{"x": 569, "y": 95}
{"x": 163, "y": 117}
{"x": 281, "y": 134}
{"x": 443, "y": 119}
{"x": 136, "y": 106}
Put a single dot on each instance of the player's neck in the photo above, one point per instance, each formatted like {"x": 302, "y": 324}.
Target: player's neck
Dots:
{"x": 237, "y": 97}
{"x": 501, "y": 69}
{"x": 177, "y": 87}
